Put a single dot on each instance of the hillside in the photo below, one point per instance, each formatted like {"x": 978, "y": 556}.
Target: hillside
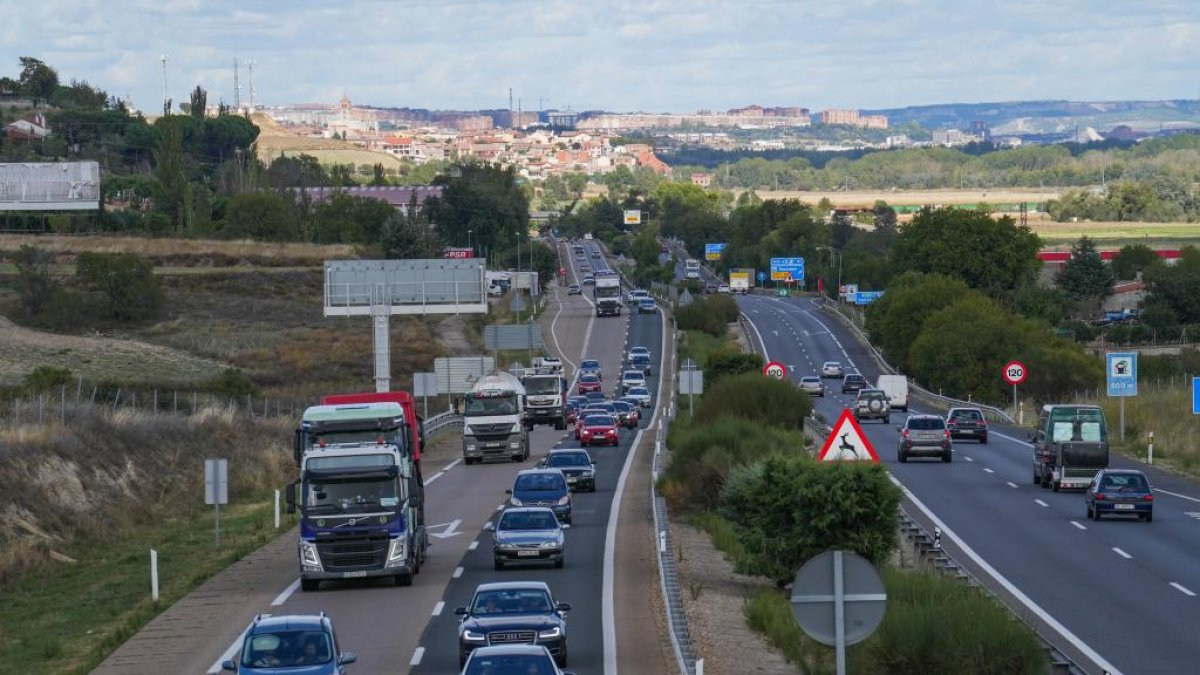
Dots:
{"x": 1049, "y": 116}
{"x": 275, "y": 140}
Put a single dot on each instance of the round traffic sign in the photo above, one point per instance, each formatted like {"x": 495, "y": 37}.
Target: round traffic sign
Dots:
{"x": 775, "y": 370}
{"x": 832, "y": 578}
{"x": 1015, "y": 372}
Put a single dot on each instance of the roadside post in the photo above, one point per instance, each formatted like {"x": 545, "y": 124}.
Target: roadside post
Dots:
{"x": 277, "y": 509}
{"x": 691, "y": 382}
{"x": 1121, "y": 373}
{"x": 1196, "y": 395}
{"x": 216, "y": 492}
{"x": 1150, "y": 449}
{"x": 1015, "y": 373}
{"x": 838, "y": 599}
{"x": 154, "y": 575}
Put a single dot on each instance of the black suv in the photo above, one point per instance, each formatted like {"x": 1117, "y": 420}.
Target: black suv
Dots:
{"x": 853, "y": 382}
{"x": 967, "y": 423}
{"x": 515, "y": 612}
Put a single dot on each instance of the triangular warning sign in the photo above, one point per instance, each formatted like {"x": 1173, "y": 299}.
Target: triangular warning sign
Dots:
{"x": 847, "y": 442}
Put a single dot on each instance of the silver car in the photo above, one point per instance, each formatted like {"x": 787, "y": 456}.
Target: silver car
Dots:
{"x": 812, "y": 385}
{"x": 925, "y": 436}
{"x": 527, "y": 535}
{"x": 832, "y": 369}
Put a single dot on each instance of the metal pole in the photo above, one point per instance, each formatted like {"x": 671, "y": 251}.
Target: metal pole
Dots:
{"x": 1015, "y": 397}
{"x": 154, "y": 575}
{"x": 839, "y": 611}
{"x": 691, "y": 403}
{"x": 217, "y": 523}
{"x": 277, "y": 509}
{"x": 1150, "y": 450}
{"x": 1122, "y": 419}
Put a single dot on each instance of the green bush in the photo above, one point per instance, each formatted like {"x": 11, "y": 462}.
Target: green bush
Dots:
{"x": 726, "y": 362}
{"x": 755, "y": 398}
{"x": 788, "y": 509}
{"x": 232, "y": 383}
{"x": 47, "y": 377}
{"x": 127, "y": 281}
{"x": 770, "y": 613}
{"x": 703, "y": 455}
{"x": 711, "y": 314}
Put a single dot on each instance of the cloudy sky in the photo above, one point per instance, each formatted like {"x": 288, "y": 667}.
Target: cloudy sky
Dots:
{"x": 621, "y": 55}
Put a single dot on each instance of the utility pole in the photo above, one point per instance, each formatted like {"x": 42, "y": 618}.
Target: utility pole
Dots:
{"x": 237, "y": 89}
{"x": 163, "y": 58}
{"x": 250, "y": 65}
{"x": 510, "y": 108}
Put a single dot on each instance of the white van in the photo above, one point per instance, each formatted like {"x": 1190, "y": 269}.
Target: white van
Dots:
{"x": 896, "y": 388}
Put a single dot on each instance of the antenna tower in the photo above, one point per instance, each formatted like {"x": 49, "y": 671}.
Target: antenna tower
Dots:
{"x": 237, "y": 88}
{"x": 510, "y": 108}
{"x": 163, "y": 58}
{"x": 250, "y": 65}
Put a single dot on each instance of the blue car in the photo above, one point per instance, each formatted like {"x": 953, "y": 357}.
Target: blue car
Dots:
{"x": 647, "y": 306}
{"x": 301, "y": 644}
{"x": 1120, "y": 492}
{"x": 542, "y": 487}
{"x": 519, "y": 659}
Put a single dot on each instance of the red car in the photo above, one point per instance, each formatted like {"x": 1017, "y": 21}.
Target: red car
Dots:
{"x": 589, "y": 383}
{"x": 599, "y": 429}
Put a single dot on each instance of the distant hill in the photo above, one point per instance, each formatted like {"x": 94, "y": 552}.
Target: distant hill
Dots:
{"x": 1049, "y": 116}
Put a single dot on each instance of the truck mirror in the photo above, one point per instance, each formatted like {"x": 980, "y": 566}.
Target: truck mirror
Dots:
{"x": 289, "y": 492}
{"x": 298, "y": 444}
{"x": 414, "y": 491}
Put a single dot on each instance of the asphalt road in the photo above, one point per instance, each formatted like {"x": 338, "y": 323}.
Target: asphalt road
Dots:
{"x": 1124, "y": 590}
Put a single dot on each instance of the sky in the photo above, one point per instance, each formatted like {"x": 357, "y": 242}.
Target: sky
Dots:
{"x": 617, "y": 55}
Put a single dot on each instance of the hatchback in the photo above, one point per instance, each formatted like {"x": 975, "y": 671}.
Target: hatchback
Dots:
{"x": 542, "y": 487}
{"x": 853, "y": 382}
{"x": 289, "y": 644}
{"x": 599, "y": 429}
{"x": 589, "y": 383}
{"x": 832, "y": 369}
{"x": 574, "y": 289}
{"x": 812, "y": 385}
{"x": 1120, "y": 492}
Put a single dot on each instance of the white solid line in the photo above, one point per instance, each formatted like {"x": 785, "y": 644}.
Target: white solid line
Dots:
{"x": 458, "y": 572}
{"x": 1176, "y": 494}
{"x": 766, "y": 356}
{"x": 451, "y": 465}
{"x": 417, "y": 656}
{"x": 437, "y": 609}
{"x": 228, "y": 655}
{"x": 1121, "y": 553}
{"x": 1183, "y": 590}
{"x": 473, "y": 545}
{"x": 434, "y": 477}
{"x": 287, "y": 593}
{"x": 988, "y": 470}
{"x": 1079, "y": 525}
{"x": 1041, "y": 503}
{"x": 1011, "y": 484}
{"x": 1020, "y": 597}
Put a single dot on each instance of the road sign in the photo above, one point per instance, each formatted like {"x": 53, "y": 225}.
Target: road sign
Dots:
{"x": 1122, "y": 373}
{"x": 787, "y": 269}
{"x": 762, "y": 276}
{"x": 866, "y": 297}
{"x": 1015, "y": 373}
{"x": 1196, "y": 395}
{"x": 838, "y": 598}
{"x": 633, "y": 217}
{"x": 216, "y": 481}
{"x": 714, "y": 251}
{"x": 847, "y": 442}
{"x": 775, "y": 370}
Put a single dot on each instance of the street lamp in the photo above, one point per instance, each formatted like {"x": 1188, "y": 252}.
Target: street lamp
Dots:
{"x": 469, "y": 243}
{"x": 839, "y": 254}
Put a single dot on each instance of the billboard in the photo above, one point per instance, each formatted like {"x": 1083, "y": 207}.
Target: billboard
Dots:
{"x": 418, "y": 286}
{"x": 57, "y": 186}
{"x": 633, "y": 217}
{"x": 787, "y": 269}
{"x": 714, "y": 251}
{"x": 457, "y": 253}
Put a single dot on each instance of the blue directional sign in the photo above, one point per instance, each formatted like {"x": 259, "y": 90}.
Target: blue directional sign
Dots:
{"x": 1196, "y": 395}
{"x": 787, "y": 269}
{"x": 1122, "y": 373}
{"x": 714, "y": 251}
{"x": 866, "y": 297}
{"x": 762, "y": 276}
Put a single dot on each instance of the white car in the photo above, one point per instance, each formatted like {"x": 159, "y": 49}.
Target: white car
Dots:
{"x": 633, "y": 378}
{"x": 813, "y": 385}
{"x": 634, "y": 351}
{"x": 723, "y": 288}
{"x": 832, "y": 369}
{"x": 639, "y": 394}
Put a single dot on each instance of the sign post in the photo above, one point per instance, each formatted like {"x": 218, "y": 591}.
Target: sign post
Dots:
{"x": 216, "y": 491}
{"x": 1121, "y": 369}
{"x": 838, "y": 598}
{"x": 1015, "y": 373}
{"x": 691, "y": 382}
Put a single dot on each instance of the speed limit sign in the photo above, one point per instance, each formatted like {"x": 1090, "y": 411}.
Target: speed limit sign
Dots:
{"x": 1015, "y": 373}
{"x": 775, "y": 370}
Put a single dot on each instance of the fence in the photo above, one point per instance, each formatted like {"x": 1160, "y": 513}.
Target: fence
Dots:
{"x": 439, "y": 423}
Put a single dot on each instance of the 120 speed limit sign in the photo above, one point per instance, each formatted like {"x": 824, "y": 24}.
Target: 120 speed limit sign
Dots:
{"x": 1015, "y": 372}
{"x": 775, "y": 370}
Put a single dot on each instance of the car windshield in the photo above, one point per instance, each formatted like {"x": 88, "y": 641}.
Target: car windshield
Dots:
{"x": 1069, "y": 424}
{"x": 568, "y": 459}
{"x": 634, "y": 375}
{"x": 528, "y": 520}
{"x": 966, "y": 415}
{"x": 639, "y": 391}
{"x": 543, "y": 385}
{"x": 1124, "y": 482}
{"x": 871, "y": 395}
{"x": 510, "y": 664}
{"x": 854, "y": 378}
{"x": 490, "y": 405}
{"x": 511, "y": 601}
{"x": 810, "y": 380}
{"x": 284, "y": 649}
{"x": 926, "y": 423}
{"x": 590, "y": 363}
{"x": 598, "y": 421}
{"x": 622, "y": 406}
{"x": 540, "y": 482}
{"x": 589, "y": 379}
{"x": 832, "y": 364}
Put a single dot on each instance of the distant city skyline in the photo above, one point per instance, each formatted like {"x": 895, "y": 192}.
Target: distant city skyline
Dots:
{"x": 623, "y": 56}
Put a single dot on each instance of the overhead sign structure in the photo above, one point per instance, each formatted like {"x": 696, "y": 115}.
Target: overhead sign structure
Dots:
{"x": 1122, "y": 373}
{"x": 50, "y": 186}
{"x": 775, "y": 370}
{"x": 847, "y": 442}
{"x": 787, "y": 269}
{"x": 633, "y": 217}
{"x": 1015, "y": 373}
{"x": 838, "y": 598}
{"x": 714, "y": 251}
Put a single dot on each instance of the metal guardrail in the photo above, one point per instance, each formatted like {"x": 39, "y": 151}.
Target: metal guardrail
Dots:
{"x": 995, "y": 413}
{"x": 440, "y": 422}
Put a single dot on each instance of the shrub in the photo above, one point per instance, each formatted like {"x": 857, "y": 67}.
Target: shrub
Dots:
{"x": 47, "y": 377}
{"x": 127, "y": 281}
{"x": 758, "y": 399}
{"x": 727, "y": 362}
{"x": 711, "y": 314}
{"x": 232, "y": 383}
{"x": 35, "y": 282}
{"x": 788, "y": 509}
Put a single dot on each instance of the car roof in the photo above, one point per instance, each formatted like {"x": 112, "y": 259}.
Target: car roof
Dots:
{"x": 564, "y": 451}
{"x": 1126, "y": 472}
{"x": 831, "y": 362}
{"x": 527, "y": 509}
{"x": 509, "y": 650}
{"x": 635, "y": 372}
{"x": 924, "y": 417}
{"x": 524, "y": 472}
{"x": 639, "y": 348}
{"x": 271, "y": 623}
{"x": 512, "y": 585}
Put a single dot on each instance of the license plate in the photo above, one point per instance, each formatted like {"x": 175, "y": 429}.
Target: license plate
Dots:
{"x": 354, "y": 575}
{"x": 1123, "y": 507}
{"x": 527, "y": 554}
{"x": 572, "y": 480}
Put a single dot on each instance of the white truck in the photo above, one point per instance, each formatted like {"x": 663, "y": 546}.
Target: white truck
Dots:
{"x": 547, "y": 365}
{"x": 494, "y": 422}
{"x": 896, "y": 388}
{"x": 545, "y": 399}
{"x": 607, "y": 293}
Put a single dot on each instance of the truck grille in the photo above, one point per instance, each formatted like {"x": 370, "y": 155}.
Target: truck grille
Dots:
{"x": 491, "y": 429}
{"x": 353, "y": 553}
{"x": 511, "y": 637}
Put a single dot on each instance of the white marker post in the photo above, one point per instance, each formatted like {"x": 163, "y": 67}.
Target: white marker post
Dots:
{"x": 154, "y": 575}
{"x": 277, "y": 509}
{"x": 1149, "y": 449}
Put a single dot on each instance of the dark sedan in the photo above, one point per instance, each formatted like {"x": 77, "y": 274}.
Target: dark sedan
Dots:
{"x": 576, "y": 464}
{"x": 515, "y": 612}
{"x": 627, "y": 414}
{"x": 853, "y": 382}
{"x": 1120, "y": 492}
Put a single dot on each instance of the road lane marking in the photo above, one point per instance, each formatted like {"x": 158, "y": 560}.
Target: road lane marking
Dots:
{"x": 1041, "y": 503}
{"x": 988, "y": 470}
{"x": 1121, "y": 553}
{"x": 1008, "y": 586}
{"x": 287, "y": 593}
{"x": 968, "y": 458}
{"x": 434, "y": 477}
{"x": 761, "y": 342}
{"x": 458, "y": 572}
{"x": 1011, "y": 484}
{"x": 227, "y": 656}
{"x": 1183, "y": 590}
{"x": 451, "y": 465}
{"x": 473, "y": 545}
{"x": 1079, "y": 525}
{"x": 437, "y": 609}
{"x": 1176, "y": 494}
{"x": 417, "y": 656}
{"x": 500, "y": 508}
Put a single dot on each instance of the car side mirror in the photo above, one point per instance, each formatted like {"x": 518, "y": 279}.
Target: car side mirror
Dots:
{"x": 289, "y": 495}
{"x": 460, "y": 611}
{"x": 562, "y": 607}
{"x": 347, "y": 657}
{"x": 489, "y": 526}
{"x": 565, "y": 526}
{"x": 508, "y": 492}
{"x": 228, "y": 665}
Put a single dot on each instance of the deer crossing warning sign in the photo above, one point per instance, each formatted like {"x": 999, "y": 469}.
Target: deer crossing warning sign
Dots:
{"x": 847, "y": 442}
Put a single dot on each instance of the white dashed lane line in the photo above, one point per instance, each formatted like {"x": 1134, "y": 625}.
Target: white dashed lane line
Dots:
{"x": 1121, "y": 553}
{"x": 989, "y": 470}
{"x": 417, "y": 656}
{"x": 437, "y": 609}
{"x": 1182, "y": 589}
{"x": 458, "y": 572}
{"x": 1041, "y": 503}
{"x": 1079, "y": 525}
{"x": 1011, "y": 484}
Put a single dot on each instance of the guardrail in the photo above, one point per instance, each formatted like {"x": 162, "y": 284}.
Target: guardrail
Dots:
{"x": 441, "y": 422}
{"x": 995, "y": 413}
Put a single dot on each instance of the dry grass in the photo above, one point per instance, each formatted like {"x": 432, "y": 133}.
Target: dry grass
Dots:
{"x": 199, "y": 252}
{"x": 1164, "y": 409}
{"x": 913, "y": 197}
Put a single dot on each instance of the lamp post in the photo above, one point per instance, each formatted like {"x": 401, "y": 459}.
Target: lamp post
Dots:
{"x": 469, "y": 243}
{"x": 833, "y": 250}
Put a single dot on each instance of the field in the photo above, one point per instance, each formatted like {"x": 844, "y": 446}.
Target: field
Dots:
{"x": 274, "y": 140}
{"x": 183, "y": 252}
{"x": 914, "y": 197}
{"x": 1061, "y": 235}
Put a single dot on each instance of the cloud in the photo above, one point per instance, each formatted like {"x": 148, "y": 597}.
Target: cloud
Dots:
{"x": 658, "y": 55}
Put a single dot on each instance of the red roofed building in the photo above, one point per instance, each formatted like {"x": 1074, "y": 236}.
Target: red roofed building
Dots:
{"x": 32, "y": 127}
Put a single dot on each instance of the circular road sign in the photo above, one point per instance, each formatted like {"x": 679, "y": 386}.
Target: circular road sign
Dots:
{"x": 1015, "y": 372}
{"x": 816, "y": 595}
{"x": 775, "y": 370}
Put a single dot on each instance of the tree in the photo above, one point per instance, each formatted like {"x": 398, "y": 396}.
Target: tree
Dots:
{"x": 1086, "y": 278}
{"x": 898, "y": 318}
{"x": 993, "y": 255}
{"x": 199, "y": 102}
{"x": 485, "y": 200}
{"x": 261, "y": 215}
{"x": 377, "y": 177}
{"x": 402, "y": 237}
{"x": 1178, "y": 285}
{"x": 962, "y": 347}
{"x": 1134, "y": 258}
{"x": 173, "y": 197}
{"x": 35, "y": 282}
{"x": 577, "y": 183}
{"x": 37, "y": 80}
{"x": 127, "y": 281}
{"x": 885, "y": 216}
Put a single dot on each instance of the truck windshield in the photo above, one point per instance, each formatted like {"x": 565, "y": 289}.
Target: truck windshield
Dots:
{"x": 395, "y": 437}
{"x": 543, "y": 385}
{"x": 490, "y": 405}
{"x": 608, "y": 292}
{"x": 350, "y": 495}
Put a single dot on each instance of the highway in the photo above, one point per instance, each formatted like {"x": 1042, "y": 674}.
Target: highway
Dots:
{"x": 1117, "y": 595}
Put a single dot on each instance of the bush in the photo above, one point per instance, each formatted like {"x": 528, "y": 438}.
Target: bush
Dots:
{"x": 232, "y": 383}
{"x": 711, "y": 314}
{"x": 726, "y": 362}
{"x": 788, "y": 509}
{"x": 758, "y": 399}
{"x": 47, "y": 377}
{"x": 127, "y": 281}
{"x": 36, "y": 284}
{"x": 703, "y": 455}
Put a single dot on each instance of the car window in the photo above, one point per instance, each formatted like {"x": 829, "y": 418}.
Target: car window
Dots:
{"x": 511, "y": 601}
{"x": 589, "y": 378}
{"x": 639, "y": 391}
{"x": 926, "y": 423}
{"x": 540, "y": 482}
{"x": 286, "y": 648}
{"x": 567, "y": 459}
{"x": 598, "y": 421}
{"x": 622, "y": 406}
{"x": 1124, "y": 483}
{"x": 528, "y": 520}
{"x": 510, "y": 664}
{"x": 590, "y": 364}
{"x": 964, "y": 415}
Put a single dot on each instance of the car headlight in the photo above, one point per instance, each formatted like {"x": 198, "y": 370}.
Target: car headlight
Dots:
{"x": 309, "y": 557}
{"x": 549, "y": 544}
{"x": 514, "y": 445}
{"x": 505, "y": 546}
{"x": 566, "y": 499}
{"x": 514, "y": 501}
{"x": 397, "y": 552}
{"x": 516, "y": 428}
{"x": 588, "y": 473}
{"x": 550, "y": 634}
{"x": 471, "y": 447}
{"x": 473, "y": 636}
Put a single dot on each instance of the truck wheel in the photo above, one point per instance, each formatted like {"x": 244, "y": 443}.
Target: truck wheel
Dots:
{"x": 1037, "y": 480}
{"x": 404, "y": 579}
{"x": 948, "y": 456}
{"x": 903, "y": 457}
{"x": 497, "y": 564}
{"x": 558, "y": 564}
{"x": 1056, "y": 485}
{"x": 983, "y": 439}
{"x": 309, "y": 585}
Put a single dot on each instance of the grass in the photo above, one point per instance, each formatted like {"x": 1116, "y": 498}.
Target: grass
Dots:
{"x": 180, "y": 251}
{"x": 697, "y": 345}
{"x": 1165, "y": 409}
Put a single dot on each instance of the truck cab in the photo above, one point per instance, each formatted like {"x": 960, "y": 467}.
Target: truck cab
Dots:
{"x": 359, "y": 494}
{"x": 545, "y": 400}
{"x": 494, "y": 423}
{"x": 1070, "y": 445}
{"x": 607, "y": 294}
